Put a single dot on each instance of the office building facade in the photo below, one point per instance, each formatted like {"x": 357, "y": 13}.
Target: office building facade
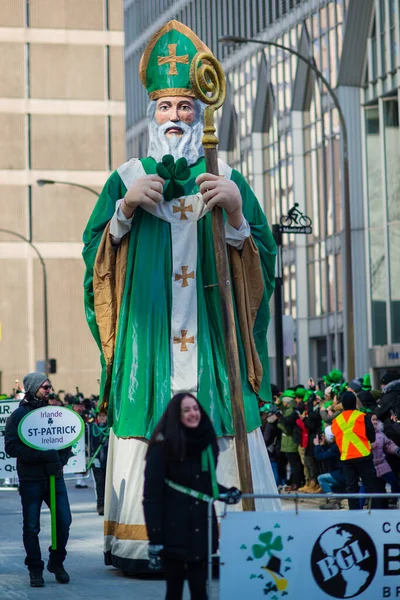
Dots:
{"x": 62, "y": 115}
{"x": 281, "y": 127}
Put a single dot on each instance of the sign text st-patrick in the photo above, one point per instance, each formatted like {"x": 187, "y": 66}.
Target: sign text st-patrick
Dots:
{"x": 51, "y": 428}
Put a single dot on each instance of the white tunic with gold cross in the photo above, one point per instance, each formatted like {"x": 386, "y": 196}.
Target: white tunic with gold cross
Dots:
{"x": 182, "y": 214}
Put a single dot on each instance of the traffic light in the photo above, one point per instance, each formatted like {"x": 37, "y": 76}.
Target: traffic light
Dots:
{"x": 52, "y": 366}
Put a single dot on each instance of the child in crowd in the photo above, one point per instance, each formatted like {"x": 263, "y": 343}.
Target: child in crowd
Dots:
{"x": 380, "y": 448}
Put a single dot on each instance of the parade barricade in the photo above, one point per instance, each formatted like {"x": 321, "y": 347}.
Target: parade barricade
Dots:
{"x": 310, "y": 553}
{"x": 8, "y": 465}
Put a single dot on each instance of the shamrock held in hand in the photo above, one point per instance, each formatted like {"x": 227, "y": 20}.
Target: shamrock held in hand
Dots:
{"x": 173, "y": 173}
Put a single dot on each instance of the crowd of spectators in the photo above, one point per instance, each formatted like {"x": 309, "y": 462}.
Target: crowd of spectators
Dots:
{"x": 298, "y": 433}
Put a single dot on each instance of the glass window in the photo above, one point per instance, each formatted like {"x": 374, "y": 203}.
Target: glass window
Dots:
{"x": 337, "y": 182}
{"x": 392, "y": 158}
{"x": 378, "y": 286}
{"x": 317, "y": 275}
{"x": 339, "y": 284}
{"x": 394, "y": 253}
{"x": 324, "y": 291}
{"x": 311, "y": 289}
{"x": 374, "y": 168}
{"x": 382, "y": 34}
{"x": 331, "y": 283}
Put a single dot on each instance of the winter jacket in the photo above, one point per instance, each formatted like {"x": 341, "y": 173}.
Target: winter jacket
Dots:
{"x": 313, "y": 423}
{"x": 272, "y": 438}
{"x": 290, "y": 431}
{"x": 304, "y": 434}
{"x": 330, "y": 455}
{"x": 32, "y": 464}
{"x": 389, "y": 402}
{"x": 380, "y": 448}
{"x": 174, "y": 519}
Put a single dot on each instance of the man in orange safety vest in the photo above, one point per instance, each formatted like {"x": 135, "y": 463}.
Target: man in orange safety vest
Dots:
{"x": 354, "y": 434}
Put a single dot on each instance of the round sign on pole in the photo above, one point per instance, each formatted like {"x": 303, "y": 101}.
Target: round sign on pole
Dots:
{"x": 51, "y": 428}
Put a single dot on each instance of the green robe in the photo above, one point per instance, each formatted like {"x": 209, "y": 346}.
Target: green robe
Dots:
{"x": 140, "y": 385}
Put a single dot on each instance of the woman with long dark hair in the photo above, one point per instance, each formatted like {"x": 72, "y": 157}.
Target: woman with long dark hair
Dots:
{"x": 179, "y": 479}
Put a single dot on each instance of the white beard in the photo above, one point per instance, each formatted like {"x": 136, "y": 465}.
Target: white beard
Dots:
{"x": 187, "y": 146}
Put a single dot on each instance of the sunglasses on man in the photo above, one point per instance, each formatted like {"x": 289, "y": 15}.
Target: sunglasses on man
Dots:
{"x": 46, "y": 387}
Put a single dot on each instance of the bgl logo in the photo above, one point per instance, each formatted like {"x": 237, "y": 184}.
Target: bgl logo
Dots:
{"x": 343, "y": 560}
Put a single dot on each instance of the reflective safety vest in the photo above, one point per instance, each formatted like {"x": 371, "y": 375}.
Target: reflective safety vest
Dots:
{"x": 351, "y": 435}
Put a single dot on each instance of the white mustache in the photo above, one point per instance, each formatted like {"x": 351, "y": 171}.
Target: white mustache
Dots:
{"x": 171, "y": 124}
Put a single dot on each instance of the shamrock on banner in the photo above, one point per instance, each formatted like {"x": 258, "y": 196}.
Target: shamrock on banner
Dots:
{"x": 268, "y": 545}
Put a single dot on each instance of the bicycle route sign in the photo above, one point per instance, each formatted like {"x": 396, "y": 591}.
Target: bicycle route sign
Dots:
{"x": 295, "y": 222}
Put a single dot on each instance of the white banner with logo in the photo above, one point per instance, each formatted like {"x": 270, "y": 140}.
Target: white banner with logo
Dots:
{"x": 6, "y": 408}
{"x": 311, "y": 555}
{"x": 8, "y": 465}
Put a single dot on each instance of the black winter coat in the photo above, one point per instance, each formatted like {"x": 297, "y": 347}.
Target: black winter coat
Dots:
{"x": 313, "y": 422}
{"x": 272, "y": 438}
{"x": 32, "y": 464}
{"x": 330, "y": 456}
{"x": 174, "y": 519}
{"x": 389, "y": 402}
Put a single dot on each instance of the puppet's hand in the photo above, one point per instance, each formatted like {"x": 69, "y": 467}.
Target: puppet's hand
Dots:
{"x": 217, "y": 190}
{"x": 144, "y": 191}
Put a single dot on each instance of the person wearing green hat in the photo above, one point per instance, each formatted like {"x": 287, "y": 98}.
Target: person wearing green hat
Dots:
{"x": 290, "y": 437}
{"x": 334, "y": 376}
{"x": 151, "y": 299}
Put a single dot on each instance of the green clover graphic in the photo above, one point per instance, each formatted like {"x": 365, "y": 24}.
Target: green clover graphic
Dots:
{"x": 268, "y": 546}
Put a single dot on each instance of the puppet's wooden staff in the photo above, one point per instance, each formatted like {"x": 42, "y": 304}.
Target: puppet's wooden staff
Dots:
{"x": 208, "y": 82}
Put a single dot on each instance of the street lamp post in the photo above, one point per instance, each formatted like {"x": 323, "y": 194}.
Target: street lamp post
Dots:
{"x": 43, "y": 182}
{"x": 45, "y": 310}
{"x": 349, "y": 311}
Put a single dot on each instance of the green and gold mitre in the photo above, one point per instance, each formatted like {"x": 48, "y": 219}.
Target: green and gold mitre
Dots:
{"x": 164, "y": 68}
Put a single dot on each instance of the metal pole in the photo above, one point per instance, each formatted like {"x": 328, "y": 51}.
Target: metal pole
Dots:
{"x": 349, "y": 310}
{"x": 209, "y": 547}
{"x": 43, "y": 182}
{"x": 45, "y": 309}
{"x": 278, "y": 306}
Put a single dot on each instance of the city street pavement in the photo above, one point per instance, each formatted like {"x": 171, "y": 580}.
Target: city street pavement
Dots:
{"x": 90, "y": 579}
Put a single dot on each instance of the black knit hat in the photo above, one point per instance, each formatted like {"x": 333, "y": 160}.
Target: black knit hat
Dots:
{"x": 390, "y": 376}
{"x": 367, "y": 400}
{"x": 349, "y": 401}
{"x": 355, "y": 385}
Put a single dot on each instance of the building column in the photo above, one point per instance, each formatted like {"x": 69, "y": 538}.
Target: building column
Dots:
{"x": 349, "y": 98}
{"x": 257, "y": 144}
{"x": 299, "y": 189}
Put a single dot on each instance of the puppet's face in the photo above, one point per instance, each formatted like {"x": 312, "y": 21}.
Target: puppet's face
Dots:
{"x": 174, "y": 110}
{"x": 176, "y": 128}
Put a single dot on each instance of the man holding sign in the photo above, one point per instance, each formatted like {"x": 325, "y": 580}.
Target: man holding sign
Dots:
{"x": 34, "y": 469}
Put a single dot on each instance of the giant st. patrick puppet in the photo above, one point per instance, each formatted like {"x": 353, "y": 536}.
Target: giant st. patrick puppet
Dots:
{"x": 152, "y": 299}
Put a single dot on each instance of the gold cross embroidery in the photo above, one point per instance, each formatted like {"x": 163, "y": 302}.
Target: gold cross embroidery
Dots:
{"x": 182, "y": 209}
{"x": 185, "y": 276}
{"x": 172, "y": 59}
{"x": 183, "y": 340}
